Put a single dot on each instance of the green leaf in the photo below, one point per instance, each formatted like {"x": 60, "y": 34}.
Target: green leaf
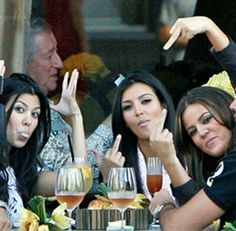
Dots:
{"x": 53, "y": 227}
{"x": 229, "y": 226}
{"x": 37, "y": 205}
{"x": 102, "y": 188}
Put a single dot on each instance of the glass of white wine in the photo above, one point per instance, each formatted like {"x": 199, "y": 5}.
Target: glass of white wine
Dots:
{"x": 122, "y": 189}
{"x": 70, "y": 187}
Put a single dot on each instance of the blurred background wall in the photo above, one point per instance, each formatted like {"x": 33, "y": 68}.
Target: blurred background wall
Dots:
{"x": 14, "y": 24}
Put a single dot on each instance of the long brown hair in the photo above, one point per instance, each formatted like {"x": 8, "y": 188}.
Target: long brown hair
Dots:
{"x": 217, "y": 102}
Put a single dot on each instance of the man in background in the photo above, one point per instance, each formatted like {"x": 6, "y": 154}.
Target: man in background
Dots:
{"x": 43, "y": 65}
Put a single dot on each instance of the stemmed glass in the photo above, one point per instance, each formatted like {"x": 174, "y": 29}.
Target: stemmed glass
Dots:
{"x": 87, "y": 172}
{"x": 70, "y": 187}
{"x": 122, "y": 189}
{"x": 154, "y": 178}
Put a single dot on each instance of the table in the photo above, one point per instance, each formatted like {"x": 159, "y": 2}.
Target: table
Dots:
{"x": 154, "y": 229}
{"x": 95, "y": 219}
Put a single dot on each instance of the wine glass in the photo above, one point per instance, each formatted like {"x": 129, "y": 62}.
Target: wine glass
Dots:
{"x": 154, "y": 179}
{"x": 87, "y": 171}
{"x": 70, "y": 187}
{"x": 122, "y": 189}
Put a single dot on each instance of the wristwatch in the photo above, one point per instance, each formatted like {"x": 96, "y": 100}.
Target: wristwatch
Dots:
{"x": 157, "y": 211}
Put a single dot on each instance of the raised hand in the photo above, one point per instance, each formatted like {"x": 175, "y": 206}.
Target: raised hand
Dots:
{"x": 161, "y": 140}
{"x": 68, "y": 105}
{"x": 187, "y": 28}
{"x": 112, "y": 158}
{"x": 162, "y": 145}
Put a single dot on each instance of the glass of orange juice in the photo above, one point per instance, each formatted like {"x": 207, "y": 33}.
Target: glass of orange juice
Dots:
{"x": 87, "y": 171}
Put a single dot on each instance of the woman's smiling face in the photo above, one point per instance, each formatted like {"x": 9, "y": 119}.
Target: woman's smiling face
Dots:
{"x": 23, "y": 119}
{"x": 206, "y": 132}
{"x": 141, "y": 109}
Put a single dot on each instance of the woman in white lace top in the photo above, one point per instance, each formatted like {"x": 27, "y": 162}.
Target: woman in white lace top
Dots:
{"x": 137, "y": 109}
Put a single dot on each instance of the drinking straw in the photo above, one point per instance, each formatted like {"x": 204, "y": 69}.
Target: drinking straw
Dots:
{"x": 71, "y": 149}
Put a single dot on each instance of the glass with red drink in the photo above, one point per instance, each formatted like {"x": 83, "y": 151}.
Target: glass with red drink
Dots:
{"x": 154, "y": 177}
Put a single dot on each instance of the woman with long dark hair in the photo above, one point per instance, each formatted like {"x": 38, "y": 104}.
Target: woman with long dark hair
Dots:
{"x": 137, "y": 108}
{"x": 27, "y": 131}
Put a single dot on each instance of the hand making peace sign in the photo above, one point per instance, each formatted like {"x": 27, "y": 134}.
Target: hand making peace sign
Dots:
{"x": 68, "y": 105}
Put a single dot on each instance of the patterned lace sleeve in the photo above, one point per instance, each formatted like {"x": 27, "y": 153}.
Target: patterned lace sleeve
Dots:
{"x": 101, "y": 140}
{"x": 56, "y": 152}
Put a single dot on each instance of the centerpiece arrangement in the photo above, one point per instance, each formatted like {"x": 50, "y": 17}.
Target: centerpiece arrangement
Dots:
{"x": 103, "y": 202}
{"x": 73, "y": 182}
{"x": 35, "y": 218}
{"x": 101, "y": 212}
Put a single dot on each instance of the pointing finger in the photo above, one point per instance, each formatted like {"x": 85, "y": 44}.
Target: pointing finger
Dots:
{"x": 157, "y": 130}
{"x": 73, "y": 82}
{"x": 174, "y": 36}
{"x": 116, "y": 145}
{"x": 162, "y": 120}
{"x": 74, "y": 78}
{"x": 65, "y": 80}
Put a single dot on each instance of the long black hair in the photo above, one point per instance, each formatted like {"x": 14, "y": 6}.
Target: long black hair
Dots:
{"x": 24, "y": 160}
{"x": 128, "y": 145}
{"x": 217, "y": 102}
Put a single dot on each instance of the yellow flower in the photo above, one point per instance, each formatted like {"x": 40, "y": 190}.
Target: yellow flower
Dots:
{"x": 221, "y": 81}
{"x": 89, "y": 65}
{"x": 43, "y": 228}
{"x": 58, "y": 216}
{"x": 29, "y": 221}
